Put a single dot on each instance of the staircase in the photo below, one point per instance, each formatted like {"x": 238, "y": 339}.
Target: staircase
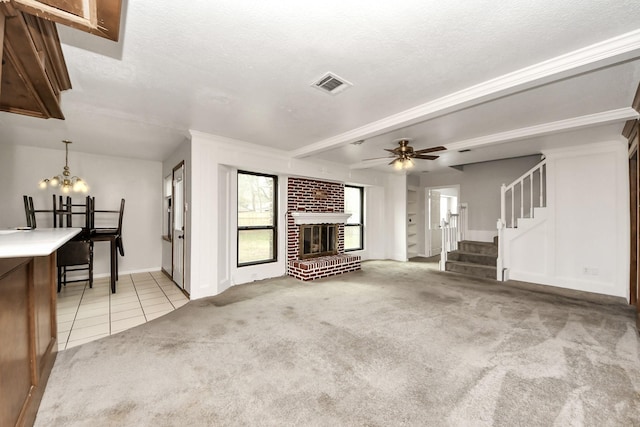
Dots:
{"x": 522, "y": 206}
{"x": 476, "y": 259}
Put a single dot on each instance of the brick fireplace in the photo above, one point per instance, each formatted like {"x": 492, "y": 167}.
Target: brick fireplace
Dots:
{"x": 316, "y": 202}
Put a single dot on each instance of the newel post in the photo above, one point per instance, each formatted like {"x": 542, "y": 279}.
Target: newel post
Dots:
{"x": 443, "y": 252}
{"x": 500, "y": 261}
{"x": 503, "y": 202}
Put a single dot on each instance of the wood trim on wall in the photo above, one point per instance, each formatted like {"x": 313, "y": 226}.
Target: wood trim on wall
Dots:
{"x": 631, "y": 131}
{"x": 633, "y": 259}
{"x": 630, "y": 127}
{"x": 636, "y": 219}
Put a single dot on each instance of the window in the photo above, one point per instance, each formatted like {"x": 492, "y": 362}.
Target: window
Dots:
{"x": 354, "y": 228}
{"x": 257, "y": 216}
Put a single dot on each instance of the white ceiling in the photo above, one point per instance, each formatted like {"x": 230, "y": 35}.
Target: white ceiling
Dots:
{"x": 501, "y": 78}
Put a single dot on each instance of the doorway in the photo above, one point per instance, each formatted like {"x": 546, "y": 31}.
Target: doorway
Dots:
{"x": 178, "y": 207}
{"x": 440, "y": 202}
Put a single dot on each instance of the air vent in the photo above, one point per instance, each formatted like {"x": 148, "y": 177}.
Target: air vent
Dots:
{"x": 331, "y": 83}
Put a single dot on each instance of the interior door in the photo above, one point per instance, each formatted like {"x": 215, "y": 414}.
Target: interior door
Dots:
{"x": 433, "y": 220}
{"x": 177, "y": 237}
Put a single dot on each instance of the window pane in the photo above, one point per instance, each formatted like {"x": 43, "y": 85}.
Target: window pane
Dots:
{"x": 352, "y": 237}
{"x": 352, "y": 204}
{"x": 255, "y": 200}
{"x": 255, "y": 246}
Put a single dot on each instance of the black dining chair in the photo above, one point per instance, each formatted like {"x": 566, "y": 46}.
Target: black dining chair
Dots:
{"x": 30, "y": 211}
{"x": 107, "y": 231}
{"x": 111, "y": 234}
{"x": 75, "y": 255}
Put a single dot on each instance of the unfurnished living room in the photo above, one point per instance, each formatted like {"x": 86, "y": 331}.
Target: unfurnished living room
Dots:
{"x": 347, "y": 213}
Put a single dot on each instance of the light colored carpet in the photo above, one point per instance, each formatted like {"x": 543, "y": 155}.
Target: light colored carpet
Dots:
{"x": 393, "y": 344}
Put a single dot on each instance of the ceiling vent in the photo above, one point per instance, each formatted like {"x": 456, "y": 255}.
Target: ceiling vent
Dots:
{"x": 331, "y": 83}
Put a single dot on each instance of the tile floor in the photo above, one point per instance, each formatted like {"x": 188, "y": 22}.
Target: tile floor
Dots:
{"x": 86, "y": 314}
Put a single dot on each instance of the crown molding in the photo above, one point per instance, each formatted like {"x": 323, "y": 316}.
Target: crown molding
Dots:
{"x": 574, "y": 123}
{"x": 608, "y": 52}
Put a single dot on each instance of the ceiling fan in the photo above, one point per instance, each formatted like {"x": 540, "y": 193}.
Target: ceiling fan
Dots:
{"x": 404, "y": 154}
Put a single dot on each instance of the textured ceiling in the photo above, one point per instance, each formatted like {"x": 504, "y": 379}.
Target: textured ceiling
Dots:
{"x": 243, "y": 69}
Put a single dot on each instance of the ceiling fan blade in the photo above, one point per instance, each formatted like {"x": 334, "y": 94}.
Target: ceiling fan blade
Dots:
{"x": 378, "y": 158}
{"x": 429, "y": 150}
{"x": 422, "y": 156}
{"x": 371, "y": 163}
{"x": 394, "y": 151}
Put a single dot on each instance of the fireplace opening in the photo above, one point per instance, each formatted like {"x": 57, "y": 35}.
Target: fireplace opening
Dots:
{"x": 318, "y": 240}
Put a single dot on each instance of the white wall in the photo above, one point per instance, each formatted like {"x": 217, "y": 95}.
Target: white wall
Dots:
{"x": 110, "y": 179}
{"x": 375, "y": 220}
{"x": 480, "y": 189}
{"x": 581, "y": 240}
{"x": 215, "y": 160}
{"x": 396, "y": 217}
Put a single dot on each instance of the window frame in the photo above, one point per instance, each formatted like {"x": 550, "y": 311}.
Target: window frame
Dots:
{"x": 361, "y": 219}
{"x": 273, "y": 227}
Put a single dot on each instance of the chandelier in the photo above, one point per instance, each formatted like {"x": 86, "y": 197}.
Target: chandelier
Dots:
{"x": 66, "y": 182}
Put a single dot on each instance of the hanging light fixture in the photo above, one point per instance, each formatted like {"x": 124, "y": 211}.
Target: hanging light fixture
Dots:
{"x": 66, "y": 182}
{"x": 403, "y": 162}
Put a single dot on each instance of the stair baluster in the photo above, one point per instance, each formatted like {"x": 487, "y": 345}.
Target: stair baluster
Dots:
{"x": 510, "y": 191}
{"x": 539, "y": 172}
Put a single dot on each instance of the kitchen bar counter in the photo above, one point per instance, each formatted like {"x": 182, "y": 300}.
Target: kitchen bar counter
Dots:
{"x": 38, "y": 242}
{"x": 28, "y": 329}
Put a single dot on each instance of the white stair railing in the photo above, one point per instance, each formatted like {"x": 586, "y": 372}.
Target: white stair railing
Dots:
{"x": 450, "y": 233}
{"x": 517, "y": 201}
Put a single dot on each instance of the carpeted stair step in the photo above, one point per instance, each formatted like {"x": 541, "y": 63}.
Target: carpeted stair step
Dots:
{"x": 475, "y": 270}
{"x": 484, "y": 248}
{"x": 472, "y": 258}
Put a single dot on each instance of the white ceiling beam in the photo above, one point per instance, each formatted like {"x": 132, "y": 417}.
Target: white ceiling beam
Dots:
{"x": 620, "y": 115}
{"x": 612, "y": 51}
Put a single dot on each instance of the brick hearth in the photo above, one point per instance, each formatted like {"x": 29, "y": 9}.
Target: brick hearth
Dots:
{"x": 301, "y": 194}
{"x": 316, "y": 268}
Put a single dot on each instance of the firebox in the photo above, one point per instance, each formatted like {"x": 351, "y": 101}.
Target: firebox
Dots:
{"x": 318, "y": 240}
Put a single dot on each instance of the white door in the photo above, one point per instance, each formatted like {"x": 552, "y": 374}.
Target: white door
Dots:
{"x": 178, "y": 225}
{"x": 434, "y": 234}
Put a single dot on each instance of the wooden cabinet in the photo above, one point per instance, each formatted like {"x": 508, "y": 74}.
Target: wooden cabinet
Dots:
{"x": 28, "y": 335}
{"x": 33, "y": 68}
{"x": 99, "y": 17}
{"x": 33, "y": 71}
